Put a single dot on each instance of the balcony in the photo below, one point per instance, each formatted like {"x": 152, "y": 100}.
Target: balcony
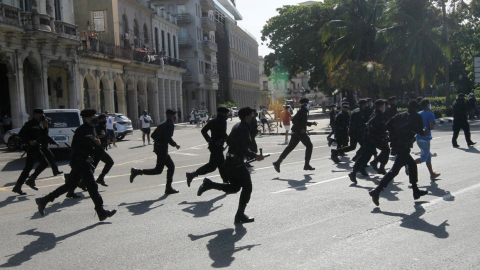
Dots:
{"x": 10, "y": 15}
{"x": 184, "y": 18}
{"x": 209, "y": 46}
{"x": 187, "y": 77}
{"x": 66, "y": 30}
{"x": 212, "y": 78}
{"x": 207, "y": 4}
{"x": 185, "y": 42}
{"x": 208, "y": 24}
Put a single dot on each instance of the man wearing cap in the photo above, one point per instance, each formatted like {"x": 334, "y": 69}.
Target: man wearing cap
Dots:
{"x": 393, "y": 110}
{"x": 84, "y": 144}
{"x": 341, "y": 122}
{"x": 237, "y": 173}
{"x": 333, "y": 116}
{"x": 216, "y": 141}
{"x": 460, "y": 120}
{"x": 375, "y": 137}
{"x": 299, "y": 134}
{"x": 356, "y": 130}
{"x": 162, "y": 137}
{"x": 31, "y": 134}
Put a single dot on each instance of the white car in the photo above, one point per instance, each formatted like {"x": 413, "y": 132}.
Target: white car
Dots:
{"x": 123, "y": 126}
{"x": 235, "y": 111}
{"x": 63, "y": 125}
{"x": 9, "y": 133}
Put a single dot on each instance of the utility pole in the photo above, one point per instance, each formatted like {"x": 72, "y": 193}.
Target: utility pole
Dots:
{"x": 447, "y": 62}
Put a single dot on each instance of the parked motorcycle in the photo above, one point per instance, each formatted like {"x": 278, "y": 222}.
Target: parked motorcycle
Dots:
{"x": 14, "y": 143}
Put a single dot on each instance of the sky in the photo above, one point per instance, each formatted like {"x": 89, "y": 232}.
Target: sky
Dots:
{"x": 257, "y": 12}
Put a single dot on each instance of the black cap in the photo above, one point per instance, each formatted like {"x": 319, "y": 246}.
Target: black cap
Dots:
{"x": 461, "y": 95}
{"x": 346, "y": 106}
{"x": 304, "y": 100}
{"x": 379, "y": 102}
{"x": 391, "y": 99}
{"x": 171, "y": 112}
{"x": 368, "y": 99}
{"x": 333, "y": 105}
{"x": 362, "y": 102}
{"x": 244, "y": 112}
{"x": 101, "y": 116}
{"x": 39, "y": 111}
{"x": 107, "y": 112}
{"x": 145, "y": 112}
{"x": 88, "y": 113}
{"x": 223, "y": 110}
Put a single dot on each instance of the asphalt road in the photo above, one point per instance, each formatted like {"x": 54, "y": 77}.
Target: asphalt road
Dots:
{"x": 304, "y": 220}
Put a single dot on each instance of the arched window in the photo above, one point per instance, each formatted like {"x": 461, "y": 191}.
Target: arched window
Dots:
{"x": 145, "y": 34}
{"x": 126, "y": 31}
{"x": 136, "y": 33}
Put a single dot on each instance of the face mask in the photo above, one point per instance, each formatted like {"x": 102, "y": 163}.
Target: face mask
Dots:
{"x": 95, "y": 121}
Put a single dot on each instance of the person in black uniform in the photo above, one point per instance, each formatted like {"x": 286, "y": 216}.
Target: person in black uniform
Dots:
{"x": 84, "y": 143}
{"x": 218, "y": 130}
{"x": 102, "y": 154}
{"x": 299, "y": 134}
{"x": 375, "y": 137}
{"x": 44, "y": 142}
{"x": 356, "y": 130}
{"x": 404, "y": 126}
{"x": 341, "y": 123}
{"x": 393, "y": 110}
{"x": 333, "y": 116}
{"x": 32, "y": 134}
{"x": 461, "y": 110}
{"x": 238, "y": 176}
{"x": 162, "y": 137}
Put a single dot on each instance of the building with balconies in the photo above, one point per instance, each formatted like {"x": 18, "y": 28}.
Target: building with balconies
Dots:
{"x": 198, "y": 47}
{"x": 129, "y": 58}
{"x": 38, "y": 60}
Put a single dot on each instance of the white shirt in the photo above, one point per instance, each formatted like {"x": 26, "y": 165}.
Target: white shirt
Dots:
{"x": 110, "y": 121}
{"x": 143, "y": 118}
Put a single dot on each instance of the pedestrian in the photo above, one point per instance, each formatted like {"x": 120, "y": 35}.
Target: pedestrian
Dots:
{"x": 393, "y": 110}
{"x": 145, "y": 122}
{"x": 238, "y": 175}
{"x": 299, "y": 134}
{"x": 286, "y": 117}
{"x": 356, "y": 130}
{"x": 46, "y": 140}
{"x": 179, "y": 112}
{"x": 197, "y": 118}
{"x": 460, "y": 120}
{"x": 333, "y": 116}
{"x": 110, "y": 129}
{"x": 423, "y": 142}
{"x": 203, "y": 116}
{"x": 216, "y": 140}
{"x": 85, "y": 141}
{"x": 162, "y": 137}
{"x": 341, "y": 122}
{"x": 231, "y": 113}
{"x": 404, "y": 126}
{"x": 31, "y": 134}
{"x": 262, "y": 115}
{"x": 375, "y": 137}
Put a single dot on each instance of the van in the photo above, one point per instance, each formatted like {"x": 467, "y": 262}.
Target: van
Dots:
{"x": 63, "y": 125}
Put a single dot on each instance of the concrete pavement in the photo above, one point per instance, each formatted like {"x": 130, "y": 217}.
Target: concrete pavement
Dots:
{"x": 306, "y": 220}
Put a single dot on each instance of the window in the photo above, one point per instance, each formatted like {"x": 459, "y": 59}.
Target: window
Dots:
{"x": 175, "y": 47}
{"x": 163, "y": 41}
{"x": 265, "y": 85}
{"x": 98, "y": 21}
{"x": 181, "y": 9}
{"x": 157, "y": 45}
{"x": 64, "y": 119}
{"x": 145, "y": 34}
{"x": 169, "y": 49}
{"x": 136, "y": 33}
{"x": 25, "y": 5}
{"x": 126, "y": 42}
{"x": 183, "y": 32}
{"x": 58, "y": 10}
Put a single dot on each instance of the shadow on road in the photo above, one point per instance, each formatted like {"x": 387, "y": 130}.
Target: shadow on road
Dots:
{"x": 299, "y": 185}
{"x": 18, "y": 164}
{"x": 202, "y": 209}
{"x": 11, "y": 200}
{"x": 414, "y": 222}
{"x": 140, "y": 208}
{"x": 472, "y": 150}
{"x": 57, "y": 207}
{"x": 44, "y": 243}
{"x": 222, "y": 247}
{"x": 434, "y": 190}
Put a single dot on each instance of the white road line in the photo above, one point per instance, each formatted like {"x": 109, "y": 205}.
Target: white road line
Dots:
{"x": 450, "y": 195}
{"x": 184, "y": 154}
{"x": 306, "y": 186}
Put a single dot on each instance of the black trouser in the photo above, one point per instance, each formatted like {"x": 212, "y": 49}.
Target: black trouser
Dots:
{"x": 105, "y": 158}
{"x": 216, "y": 161}
{"x": 382, "y": 158}
{"x": 334, "y": 129}
{"x": 253, "y": 144}
{"x": 295, "y": 139}
{"x": 81, "y": 171}
{"x": 457, "y": 126}
{"x": 33, "y": 155}
{"x": 238, "y": 178}
{"x": 51, "y": 159}
{"x": 368, "y": 150}
{"x": 403, "y": 158}
{"x": 351, "y": 147}
{"x": 163, "y": 159}
{"x": 341, "y": 137}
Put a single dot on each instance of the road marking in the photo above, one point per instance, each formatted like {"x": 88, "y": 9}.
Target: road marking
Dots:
{"x": 306, "y": 186}
{"x": 185, "y": 154}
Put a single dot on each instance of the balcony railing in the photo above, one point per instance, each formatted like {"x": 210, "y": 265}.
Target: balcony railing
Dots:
{"x": 66, "y": 30}
{"x": 212, "y": 77}
{"x": 209, "y": 24}
{"x": 10, "y": 15}
{"x": 187, "y": 77}
{"x": 184, "y": 18}
{"x": 210, "y": 46}
{"x": 185, "y": 42}
{"x": 208, "y": 4}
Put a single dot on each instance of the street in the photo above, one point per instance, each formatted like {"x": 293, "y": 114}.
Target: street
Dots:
{"x": 303, "y": 220}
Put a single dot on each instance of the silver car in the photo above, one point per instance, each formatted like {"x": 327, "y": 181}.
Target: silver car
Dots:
{"x": 123, "y": 126}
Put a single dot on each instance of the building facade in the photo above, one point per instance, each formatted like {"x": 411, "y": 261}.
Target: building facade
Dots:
{"x": 38, "y": 59}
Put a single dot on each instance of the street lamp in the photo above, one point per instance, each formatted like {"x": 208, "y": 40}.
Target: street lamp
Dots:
{"x": 370, "y": 69}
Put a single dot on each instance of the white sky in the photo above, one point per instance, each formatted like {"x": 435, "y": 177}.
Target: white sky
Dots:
{"x": 256, "y": 13}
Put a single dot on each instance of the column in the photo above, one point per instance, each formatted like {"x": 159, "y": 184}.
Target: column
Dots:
{"x": 161, "y": 96}
{"x": 17, "y": 114}
{"x": 168, "y": 96}
{"x": 184, "y": 112}
{"x": 175, "y": 106}
{"x": 155, "y": 110}
{"x": 41, "y": 87}
{"x": 213, "y": 106}
{"x": 93, "y": 95}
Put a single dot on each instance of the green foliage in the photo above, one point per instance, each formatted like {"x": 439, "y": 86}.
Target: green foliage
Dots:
{"x": 228, "y": 104}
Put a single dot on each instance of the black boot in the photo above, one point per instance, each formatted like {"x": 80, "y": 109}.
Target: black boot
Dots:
{"x": 240, "y": 217}
{"x": 417, "y": 193}
{"x": 353, "y": 177}
{"x": 170, "y": 190}
{"x": 104, "y": 214}
{"x": 72, "y": 195}
{"x": 206, "y": 185}
{"x": 471, "y": 143}
{"x": 382, "y": 170}
{"x": 57, "y": 172}
{"x": 101, "y": 180}
{"x": 276, "y": 165}
{"x": 307, "y": 167}
{"x": 41, "y": 204}
{"x": 18, "y": 190}
{"x": 134, "y": 173}
{"x": 363, "y": 172}
{"x": 375, "y": 194}
{"x": 455, "y": 144}
{"x": 31, "y": 183}
{"x": 190, "y": 177}
{"x": 334, "y": 156}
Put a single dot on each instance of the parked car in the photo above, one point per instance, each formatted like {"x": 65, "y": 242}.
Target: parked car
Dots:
{"x": 235, "y": 111}
{"x": 9, "y": 134}
{"x": 123, "y": 126}
{"x": 63, "y": 125}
